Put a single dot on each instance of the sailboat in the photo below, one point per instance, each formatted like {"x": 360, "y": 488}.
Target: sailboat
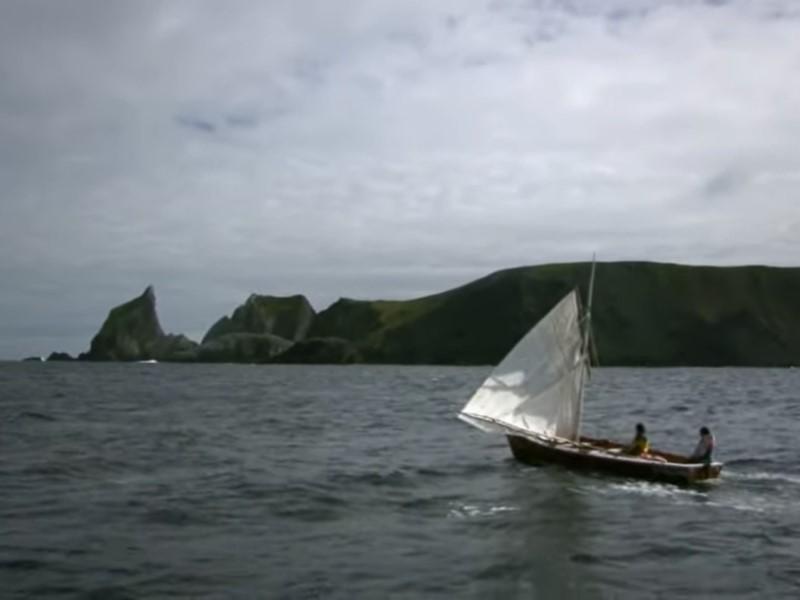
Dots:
{"x": 534, "y": 396}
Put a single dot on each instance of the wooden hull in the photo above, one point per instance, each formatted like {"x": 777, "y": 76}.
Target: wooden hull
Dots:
{"x": 605, "y": 456}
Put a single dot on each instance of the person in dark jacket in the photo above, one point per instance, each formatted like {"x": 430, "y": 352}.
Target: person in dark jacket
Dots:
{"x": 705, "y": 447}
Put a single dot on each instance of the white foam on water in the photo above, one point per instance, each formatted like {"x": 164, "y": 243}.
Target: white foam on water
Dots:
{"x": 744, "y": 502}
{"x": 764, "y": 476}
{"x": 464, "y": 511}
{"x": 656, "y": 490}
{"x": 756, "y": 506}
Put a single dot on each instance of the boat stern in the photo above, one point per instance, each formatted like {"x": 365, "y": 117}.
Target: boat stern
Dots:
{"x": 704, "y": 472}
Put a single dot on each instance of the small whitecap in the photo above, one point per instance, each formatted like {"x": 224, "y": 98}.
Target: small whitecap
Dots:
{"x": 471, "y": 511}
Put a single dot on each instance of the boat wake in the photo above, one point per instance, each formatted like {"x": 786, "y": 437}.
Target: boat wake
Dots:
{"x": 764, "y": 476}
{"x": 657, "y": 490}
{"x": 762, "y": 492}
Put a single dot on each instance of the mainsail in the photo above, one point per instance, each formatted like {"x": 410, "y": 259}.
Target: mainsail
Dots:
{"x": 538, "y": 386}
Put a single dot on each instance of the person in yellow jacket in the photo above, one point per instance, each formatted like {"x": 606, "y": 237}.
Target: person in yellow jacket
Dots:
{"x": 639, "y": 445}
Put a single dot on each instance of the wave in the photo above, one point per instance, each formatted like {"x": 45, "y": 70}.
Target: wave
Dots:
{"x": 37, "y": 416}
{"x": 399, "y": 477}
{"x": 311, "y": 508}
{"x": 465, "y": 511}
{"x": 22, "y": 564}
{"x": 393, "y": 478}
{"x": 175, "y": 516}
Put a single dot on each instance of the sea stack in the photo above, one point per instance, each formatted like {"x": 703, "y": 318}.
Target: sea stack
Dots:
{"x": 132, "y": 332}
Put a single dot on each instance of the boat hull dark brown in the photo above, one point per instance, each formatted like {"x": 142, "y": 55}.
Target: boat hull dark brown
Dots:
{"x": 607, "y": 457}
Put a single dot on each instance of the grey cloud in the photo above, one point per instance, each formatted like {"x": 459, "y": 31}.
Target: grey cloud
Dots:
{"x": 242, "y": 120}
{"x": 725, "y": 183}
{"x": 353, "y": 154}
{"x": 196, "y": 123}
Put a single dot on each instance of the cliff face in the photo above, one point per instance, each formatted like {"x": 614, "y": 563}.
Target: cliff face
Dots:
{"x": 287, "y": 317}
{"x": 132, "y": 332}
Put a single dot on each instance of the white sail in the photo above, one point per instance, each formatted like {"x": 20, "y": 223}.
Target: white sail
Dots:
{"x": 538, "y": 386}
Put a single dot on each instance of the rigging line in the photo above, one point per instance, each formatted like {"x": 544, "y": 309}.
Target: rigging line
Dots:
{"x": 593, "y": 350}
{"x": 591, "y": 340}
{"x": 588, "y": 319}
{"x": 585, "y": 373}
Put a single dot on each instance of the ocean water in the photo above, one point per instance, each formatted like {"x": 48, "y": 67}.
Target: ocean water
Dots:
{"x": 236, "y": 481}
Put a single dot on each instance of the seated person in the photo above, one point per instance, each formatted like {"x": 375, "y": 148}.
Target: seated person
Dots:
{"x": 639, "y": 446}
{"x": 705, "y": 447}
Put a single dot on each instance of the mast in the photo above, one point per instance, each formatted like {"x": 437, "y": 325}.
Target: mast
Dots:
{"x": 587, "y": 333}
{"x": 588, "y": 318}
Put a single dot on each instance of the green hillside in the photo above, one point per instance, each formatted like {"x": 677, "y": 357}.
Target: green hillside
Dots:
{"x": 644, "y": 314}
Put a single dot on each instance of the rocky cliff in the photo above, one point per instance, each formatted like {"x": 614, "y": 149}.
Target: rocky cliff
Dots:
{"x": 242, "y": 347}
{"x": 258, "y": 330}
{"x": 644, "y": 314}
{"x": 328, "y": 350}
{"x": 287, "y": 317}
{"x": 132, "y": 332}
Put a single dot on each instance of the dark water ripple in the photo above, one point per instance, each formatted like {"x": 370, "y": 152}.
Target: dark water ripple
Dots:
{"x": 181, "y": 481}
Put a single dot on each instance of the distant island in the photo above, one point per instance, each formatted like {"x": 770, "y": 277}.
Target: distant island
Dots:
{"x": 645, "y": 314}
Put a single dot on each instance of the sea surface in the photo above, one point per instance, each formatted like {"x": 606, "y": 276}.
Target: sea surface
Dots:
{"x": 237, "y": 481}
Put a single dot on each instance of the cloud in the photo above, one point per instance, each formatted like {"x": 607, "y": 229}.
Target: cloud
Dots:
{"x": 379, "y": 149}
{"x": 196, "y": 123}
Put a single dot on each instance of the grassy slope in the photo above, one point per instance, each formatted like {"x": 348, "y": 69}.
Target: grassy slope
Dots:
{"x": 644, "y": 314}
{"x": 672, "y": 314}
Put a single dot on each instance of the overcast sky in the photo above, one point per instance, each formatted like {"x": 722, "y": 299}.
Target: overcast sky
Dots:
{"x": 378, "y": 148}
